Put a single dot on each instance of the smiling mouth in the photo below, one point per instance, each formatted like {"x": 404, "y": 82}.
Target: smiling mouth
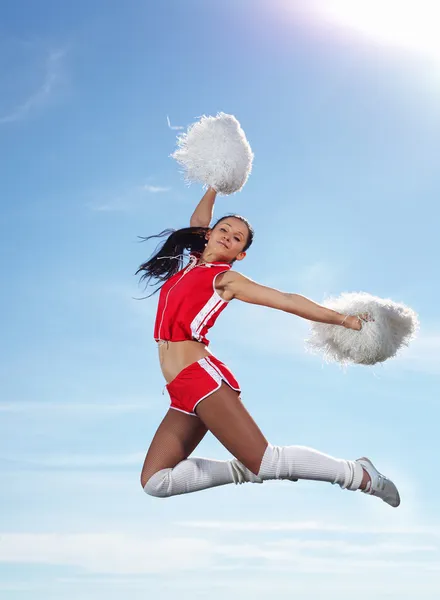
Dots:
{"x": 223, "y": 244}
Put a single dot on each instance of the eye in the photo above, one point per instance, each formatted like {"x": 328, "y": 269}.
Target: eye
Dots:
{"x": 222, "y": 229}
{"x": 237, "y": 238}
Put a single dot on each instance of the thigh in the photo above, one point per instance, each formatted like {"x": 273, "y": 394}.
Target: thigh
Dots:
{"x": 226, "y": 417}
{"x": 175, "y": 439}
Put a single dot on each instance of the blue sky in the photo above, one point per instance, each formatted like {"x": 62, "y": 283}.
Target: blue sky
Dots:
{"x": 345, "y": 127}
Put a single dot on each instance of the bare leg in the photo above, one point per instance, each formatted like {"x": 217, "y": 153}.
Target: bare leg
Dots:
{"x": 168, "y": 471}
{"x": 225, "y": 416}
{"x": 176, "y": 438}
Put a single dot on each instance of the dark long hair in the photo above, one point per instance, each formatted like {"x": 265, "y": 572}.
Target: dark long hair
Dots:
{"x": 170, "y": 257}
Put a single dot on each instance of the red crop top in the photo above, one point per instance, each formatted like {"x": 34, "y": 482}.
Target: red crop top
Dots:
{"x": 189, "y": 304}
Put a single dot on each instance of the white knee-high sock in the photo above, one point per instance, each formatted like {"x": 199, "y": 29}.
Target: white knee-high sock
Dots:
{"x": 195, "y": 474}
{"x": 300, "y": 462}
{"x": 279, "y": 462}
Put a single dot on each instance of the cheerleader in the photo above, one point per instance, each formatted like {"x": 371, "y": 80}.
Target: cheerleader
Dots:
{"x": 204, "y": 394}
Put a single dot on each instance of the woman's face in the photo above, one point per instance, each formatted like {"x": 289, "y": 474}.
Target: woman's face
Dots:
{"x": 227, "y": 240}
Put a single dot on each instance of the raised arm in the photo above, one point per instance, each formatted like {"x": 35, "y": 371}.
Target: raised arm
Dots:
{"x": 242, "y": 288}
{"x": 202, "y": 216}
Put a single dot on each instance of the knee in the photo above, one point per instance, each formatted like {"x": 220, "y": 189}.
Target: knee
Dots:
{"x": 253, "y": 462}
{"x": 157, "y": 485}
{"x": 252, "y": 465}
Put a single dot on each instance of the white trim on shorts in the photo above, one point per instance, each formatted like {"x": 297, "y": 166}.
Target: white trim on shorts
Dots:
{"x": 216, "y": 375}
{"x": 184, "y": 412}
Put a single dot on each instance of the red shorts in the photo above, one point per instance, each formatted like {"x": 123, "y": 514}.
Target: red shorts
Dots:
{"x": 197, "y": 381}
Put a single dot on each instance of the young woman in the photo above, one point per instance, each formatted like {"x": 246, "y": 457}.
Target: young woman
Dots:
{"x": 205, "y": 395}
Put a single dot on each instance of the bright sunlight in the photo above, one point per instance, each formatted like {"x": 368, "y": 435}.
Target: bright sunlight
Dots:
{"x": 412, "y": 24}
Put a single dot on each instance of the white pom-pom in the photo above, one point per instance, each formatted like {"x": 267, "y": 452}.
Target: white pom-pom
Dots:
{"x": 214, "y": 151}
{"x": 393, "y": 327}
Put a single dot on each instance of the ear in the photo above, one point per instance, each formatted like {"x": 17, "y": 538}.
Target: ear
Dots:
{"x": 208, "y": 234}
{"x": 240, "y": 256}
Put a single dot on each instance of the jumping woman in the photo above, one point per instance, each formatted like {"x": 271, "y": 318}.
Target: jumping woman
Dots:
{"x": 205, "y": 395}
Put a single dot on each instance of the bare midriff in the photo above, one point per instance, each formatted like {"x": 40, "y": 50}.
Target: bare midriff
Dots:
{"x": 175, "y": 356}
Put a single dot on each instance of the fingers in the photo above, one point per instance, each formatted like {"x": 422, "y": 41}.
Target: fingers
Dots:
{"x": 365, "y": 317}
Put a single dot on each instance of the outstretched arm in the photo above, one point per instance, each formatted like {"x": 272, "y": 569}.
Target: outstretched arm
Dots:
{"x": 242, "y": 288}
{"x": 202, "y": 216}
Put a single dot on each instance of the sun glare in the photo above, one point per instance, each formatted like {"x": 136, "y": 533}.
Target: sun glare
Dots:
{"x": 412, "y": 24}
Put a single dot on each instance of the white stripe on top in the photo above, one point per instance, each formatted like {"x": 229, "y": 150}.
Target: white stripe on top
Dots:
{"x": 200, "y": 320}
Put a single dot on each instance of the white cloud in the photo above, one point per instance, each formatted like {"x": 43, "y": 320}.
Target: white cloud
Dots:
{"x": 71, "y": 407}
{"x": 123, "y": 554}
{"x": 84, "y": 461}
{"x": 40, "y": 96}
{"x": 113, "y": 205}
{"x": 234, "y": 583}
{"x": 308, "y": 526}
{"x": 111, "y": 553}
{"x": 132, "y": 199}
{"x": 155, "y": 189}
{"x": 263, "y": 525}
{"x": 174, "y": 127}
{"x": 19, "y": 586}
{"x": 422, "y": 354}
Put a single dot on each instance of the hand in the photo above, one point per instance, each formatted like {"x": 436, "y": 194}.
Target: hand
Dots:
{"x": 355, "y": 322}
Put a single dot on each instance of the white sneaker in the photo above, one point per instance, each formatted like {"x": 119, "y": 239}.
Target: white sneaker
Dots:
{"x": 380, "y": 486}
